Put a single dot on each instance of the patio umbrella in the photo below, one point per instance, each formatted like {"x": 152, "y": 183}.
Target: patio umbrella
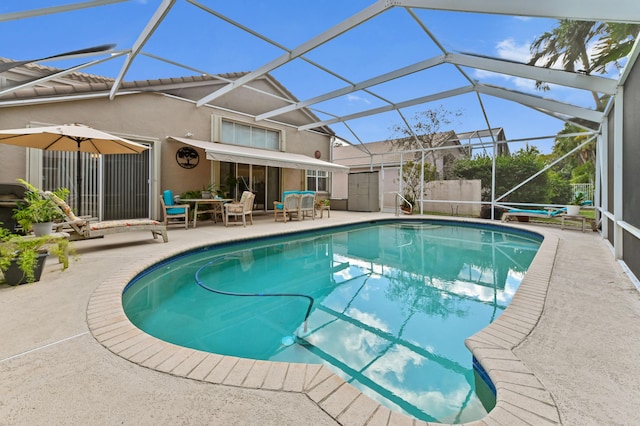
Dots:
{"x": 71, "y": 137}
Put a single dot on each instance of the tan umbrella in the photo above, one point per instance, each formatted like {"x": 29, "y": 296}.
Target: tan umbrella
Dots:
{"x": 71, "y": 137}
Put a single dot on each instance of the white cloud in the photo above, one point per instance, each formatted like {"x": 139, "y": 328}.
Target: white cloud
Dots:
{"x": 511, "y": 50}
{"x": 355, "y": 98}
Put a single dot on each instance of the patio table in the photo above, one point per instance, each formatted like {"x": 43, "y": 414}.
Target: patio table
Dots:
{"x": 206, "y": 205}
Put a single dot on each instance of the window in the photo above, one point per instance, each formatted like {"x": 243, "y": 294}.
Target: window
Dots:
{"x": 317, "y": 180}
{"x": 255, "y": 137}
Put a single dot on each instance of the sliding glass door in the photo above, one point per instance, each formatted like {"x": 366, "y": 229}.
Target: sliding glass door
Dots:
{"x": 263, "y": 181}
{"x": 112, "y": 186}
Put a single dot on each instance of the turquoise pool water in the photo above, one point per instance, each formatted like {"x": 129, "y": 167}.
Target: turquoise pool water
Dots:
{"x": 393, "y": 303}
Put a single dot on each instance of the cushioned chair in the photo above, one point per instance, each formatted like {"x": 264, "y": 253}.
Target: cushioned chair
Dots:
{"x": 288, "y": 207}
{"x": 172, "y": 210}
{"x": 243, "y": 208}
{"x": 82, "y": 228}
{"x": 308, "y": 204}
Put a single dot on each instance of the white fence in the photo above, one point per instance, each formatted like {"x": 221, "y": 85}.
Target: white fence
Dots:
{"x": 586, "y": 188}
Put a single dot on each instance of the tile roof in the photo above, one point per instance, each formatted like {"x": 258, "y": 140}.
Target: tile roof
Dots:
{"x": 383, "y": 151}
{"x": 187, "y": 87}
{"x": 80, "y": 83}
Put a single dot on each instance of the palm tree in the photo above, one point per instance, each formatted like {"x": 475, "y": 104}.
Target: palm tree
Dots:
{"x": 562, "y": 145}
{"x": 615, "y": 44}
{"x": 566, "y": 45}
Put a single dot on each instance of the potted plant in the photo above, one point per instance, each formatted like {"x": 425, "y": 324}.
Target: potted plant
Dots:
{"x": 207, "y": 191}
{"x": 37, "y": 213}
{"x": 228, "y": 189}
{"x": 407, "y": 204}
{"x": 322, "y": 205}
{"x": 573, "y": 208}
{"x": 22, "y": 258}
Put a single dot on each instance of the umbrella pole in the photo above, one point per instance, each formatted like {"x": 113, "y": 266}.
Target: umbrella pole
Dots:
{"x": 79, "y": 179}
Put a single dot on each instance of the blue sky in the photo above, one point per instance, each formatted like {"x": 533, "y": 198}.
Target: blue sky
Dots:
{"x": 193, "y": 37}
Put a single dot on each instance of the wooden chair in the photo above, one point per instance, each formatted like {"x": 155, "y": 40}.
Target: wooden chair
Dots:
{"x": 308, "y": 204}
{"x": 289, "y": 206}
{"x": 172, "y": 211}
{"x": 243, "y": 208}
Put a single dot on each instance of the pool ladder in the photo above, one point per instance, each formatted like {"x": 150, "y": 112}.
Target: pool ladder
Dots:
{"x": 399, "y": 195}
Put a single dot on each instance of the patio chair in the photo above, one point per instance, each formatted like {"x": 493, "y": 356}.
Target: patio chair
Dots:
{"x": 308, "y": 204}
{"x": 544, "y": 214}
{"x": 173, "y": 211}
{"x": 85, "y": 228}
{"x": 288, "y": 207}
{"x": 243, "y": 208}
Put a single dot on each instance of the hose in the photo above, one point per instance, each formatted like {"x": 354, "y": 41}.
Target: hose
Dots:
{"x": 229, "y": 293}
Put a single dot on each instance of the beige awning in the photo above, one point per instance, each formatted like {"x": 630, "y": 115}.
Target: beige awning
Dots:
{"x": 261, "y": 157}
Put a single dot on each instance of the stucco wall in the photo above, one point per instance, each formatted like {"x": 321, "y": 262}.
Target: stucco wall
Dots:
{"x": 389, "y": 184}
{"x": 463, "y": 190}
{"x": 292, "y": 180}
{"x": 12, "y": 161}
{"x": 340, "y": 186}
{"x": 151, "y": 118}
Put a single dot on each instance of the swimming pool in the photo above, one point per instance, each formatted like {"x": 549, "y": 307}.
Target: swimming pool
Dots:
{"x": 393, "y": 303}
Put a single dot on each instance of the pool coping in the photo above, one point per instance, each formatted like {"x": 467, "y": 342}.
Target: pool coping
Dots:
{"x": 521, "y": 397}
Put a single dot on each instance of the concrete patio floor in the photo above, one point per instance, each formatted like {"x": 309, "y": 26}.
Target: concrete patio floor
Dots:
{"x": 583, "y": 349}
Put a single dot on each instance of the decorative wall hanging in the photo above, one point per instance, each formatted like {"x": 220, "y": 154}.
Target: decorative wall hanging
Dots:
{"x": 318, "y": 154}
{"x": 187, "y": 157}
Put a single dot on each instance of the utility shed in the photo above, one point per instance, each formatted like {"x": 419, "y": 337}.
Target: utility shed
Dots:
{"x": 363, "y": 192}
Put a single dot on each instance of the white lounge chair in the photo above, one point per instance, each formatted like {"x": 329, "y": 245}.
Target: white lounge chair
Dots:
{"x": 84, "y": 228}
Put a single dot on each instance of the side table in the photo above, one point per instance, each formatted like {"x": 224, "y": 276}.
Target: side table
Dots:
{"x": 574, "y": 218}
{"x": 322, "y": 208}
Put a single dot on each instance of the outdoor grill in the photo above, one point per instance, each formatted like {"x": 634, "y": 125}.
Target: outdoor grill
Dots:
{"x": 10, "y": 195}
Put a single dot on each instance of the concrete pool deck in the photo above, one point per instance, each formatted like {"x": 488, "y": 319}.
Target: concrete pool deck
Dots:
{"x": 578, "y": 365}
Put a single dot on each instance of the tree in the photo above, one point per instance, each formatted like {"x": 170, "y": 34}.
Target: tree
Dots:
{"x": 413, "y": 177}
{"x": 424, "y": 132}
{"x": 564, "y": 144}
{"x": 614, "y": 45}
{"x": 568, "y": 45}
{"x": 510, "y": 171}
{"x": 558, "y": 188}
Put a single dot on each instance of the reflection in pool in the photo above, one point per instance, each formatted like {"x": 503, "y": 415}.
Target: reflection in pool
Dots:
{"x": 393, "y": 304}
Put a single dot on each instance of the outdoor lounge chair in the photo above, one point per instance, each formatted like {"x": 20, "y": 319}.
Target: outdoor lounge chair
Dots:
{"x": 84, "y": 228}
{"x": 288, "y": 207}
{"x": 545, "y": 214}
{"x": 243, "y": 208}
{"x": 172, "y": 211}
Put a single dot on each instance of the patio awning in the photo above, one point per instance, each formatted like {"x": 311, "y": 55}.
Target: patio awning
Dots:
{"x": 261, "y": 157}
